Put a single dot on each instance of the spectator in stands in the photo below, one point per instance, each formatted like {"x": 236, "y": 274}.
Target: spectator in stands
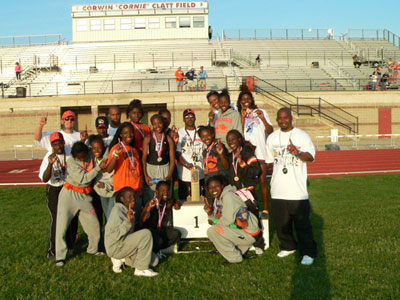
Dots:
{"x": 135, "y": 113}
{"x": 289, "y": 149}
{"x": 202, "y": 78}
{"x": 385, "y": 81}
{"x": 356, "y": 61}
{"x": 395, "y": 72}
{"x": 190, "y": 75}
{"x": 114, "y": 115}
{"x": 212, "y": 98}
{"x": 68, "y": 132}
{"x": 251, "y": 81}
{"x": 379, "y": 73}
{"x": 102, "y": 129}
{"x": 180, "y": 76}
{"x": 189, "y": 154}
{"x": 18, "y": 70}
{"x": 258, "y": 60}
{"x": 210, "y": 32}
{"x": 374, "y": 81}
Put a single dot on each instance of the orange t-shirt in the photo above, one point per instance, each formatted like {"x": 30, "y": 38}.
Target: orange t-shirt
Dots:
{"x": 140, "y": 131}
{"x": 179, "y": 75}
{"x": 125, "y": 174}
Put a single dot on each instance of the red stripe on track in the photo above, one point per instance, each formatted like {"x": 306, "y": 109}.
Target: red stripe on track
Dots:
{"x": 326, "y": 162}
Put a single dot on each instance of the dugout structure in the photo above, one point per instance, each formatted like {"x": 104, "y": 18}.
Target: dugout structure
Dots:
{"x": 139, "y": 21}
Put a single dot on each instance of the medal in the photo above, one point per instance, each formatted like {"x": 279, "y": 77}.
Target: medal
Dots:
{"x": 130, "y": 157}
{"x": 159, "y": 145}
{"x": 284, "y": 170}
{"x": 235, "y": 166}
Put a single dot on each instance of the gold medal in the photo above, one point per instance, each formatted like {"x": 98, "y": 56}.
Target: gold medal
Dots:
{"x": 236, "y": 178}
{"x": 159, "y": 159}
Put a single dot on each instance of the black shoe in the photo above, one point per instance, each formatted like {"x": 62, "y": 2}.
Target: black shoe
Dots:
{"x": 225, "y": 263}
{"x": 50, "y": 255}
{"x": 214, "y": 252}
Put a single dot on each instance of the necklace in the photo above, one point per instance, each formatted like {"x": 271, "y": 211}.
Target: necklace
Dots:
{"x": 130, "y": 157}
{"x": 284, "y": 170}
{"x": 159, "y": 145}
{"x": 141, "y": 130}
{"x": 235, "y": 165}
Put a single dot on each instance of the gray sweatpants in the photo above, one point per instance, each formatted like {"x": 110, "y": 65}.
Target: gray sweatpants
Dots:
{"x": 232, "y": 243}
{"x": 71, "y": 203}
{"x": 136, "y": 249}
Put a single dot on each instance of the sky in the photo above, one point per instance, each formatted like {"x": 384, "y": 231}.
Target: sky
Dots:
{"x": 27, "y": 17}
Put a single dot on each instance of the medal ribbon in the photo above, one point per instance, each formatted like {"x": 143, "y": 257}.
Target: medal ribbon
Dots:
{"x": 130, "y": 157}
{"x": 141, "y": 130}
{"x": 160, "y": 214}
{"x": 159, "y": 145}
{"x": 191, "y": 141}
{"x": 235, "y": 164}
{"x": 208, "y": 152}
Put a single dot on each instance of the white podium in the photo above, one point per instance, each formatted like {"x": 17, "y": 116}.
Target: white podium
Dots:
{"x": 191, "y": 220}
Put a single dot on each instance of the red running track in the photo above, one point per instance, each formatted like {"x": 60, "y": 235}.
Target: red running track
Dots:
{"x": 327, "y": 163}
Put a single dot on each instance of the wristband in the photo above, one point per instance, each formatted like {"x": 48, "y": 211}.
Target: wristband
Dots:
{"x": 299, "y": 153}
{"x": 115, "y": 154}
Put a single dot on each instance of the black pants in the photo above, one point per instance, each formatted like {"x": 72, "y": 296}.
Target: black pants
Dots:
{"x": 96, "y": 202}
{"x": 164, "y": 237}
{"x": 294, "y": 213}
{"x": 184, "y": 186}
{"x": 18, "y": 75}
{"x": 52, "y": 193}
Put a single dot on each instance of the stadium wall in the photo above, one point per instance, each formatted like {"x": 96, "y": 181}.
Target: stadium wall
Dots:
{"x": 19, "y": 117}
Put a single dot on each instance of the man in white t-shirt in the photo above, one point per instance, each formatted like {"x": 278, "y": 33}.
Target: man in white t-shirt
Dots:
{"x": 189, "y": 154}
{"x": 102, "y": 126}
{"x": 114, "y": 114}
{"x": 70, "y": 135}
{"x": 289, "y": 149}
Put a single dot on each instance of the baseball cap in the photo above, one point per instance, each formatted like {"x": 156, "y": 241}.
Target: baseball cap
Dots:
{"x": 188, "y": 111}
{"x": 56, "y": 136}
{"x": 101, "y": 121}
{"x": 68, "y": 113}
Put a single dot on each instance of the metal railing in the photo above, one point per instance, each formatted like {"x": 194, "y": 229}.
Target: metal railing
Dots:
{"x": 360, "y": 141}
{"x": 373, "y": 34}
{"x": 312, "y": 106}
{"x": 278, "y": 34}
{"x": 110, "y": 86}
{"x": 30, "y": 40}
{"x": 35, "y": 89}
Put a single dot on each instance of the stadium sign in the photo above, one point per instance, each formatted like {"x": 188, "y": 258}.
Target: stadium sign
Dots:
{"x": 139, "y": 6}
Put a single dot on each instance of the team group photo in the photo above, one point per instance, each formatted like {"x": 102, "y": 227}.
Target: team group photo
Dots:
{"x": 198, "y": 150}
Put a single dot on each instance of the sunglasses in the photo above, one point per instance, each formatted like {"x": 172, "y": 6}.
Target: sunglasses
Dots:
{"x": 69, "y": 119}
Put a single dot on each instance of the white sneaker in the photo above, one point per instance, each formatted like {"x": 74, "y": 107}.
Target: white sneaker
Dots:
{"x": 117, "y": 264}
{"x": 285, "y": 253}
{"x": 154, "y": 260}
{"x": 258, "y": 251}
{"x": 307, "y": 260}
{"x": 145, "y": 273}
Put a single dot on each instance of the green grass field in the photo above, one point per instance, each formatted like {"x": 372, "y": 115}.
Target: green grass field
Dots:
{"x": 356, "y": 225}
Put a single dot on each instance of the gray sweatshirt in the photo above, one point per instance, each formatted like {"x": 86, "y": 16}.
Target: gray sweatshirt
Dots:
{"x": 118, "y": 227}
{"x": 231, "y": 203}
{"x": 225, "y": 122}
{"x": 81, "y": 174}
